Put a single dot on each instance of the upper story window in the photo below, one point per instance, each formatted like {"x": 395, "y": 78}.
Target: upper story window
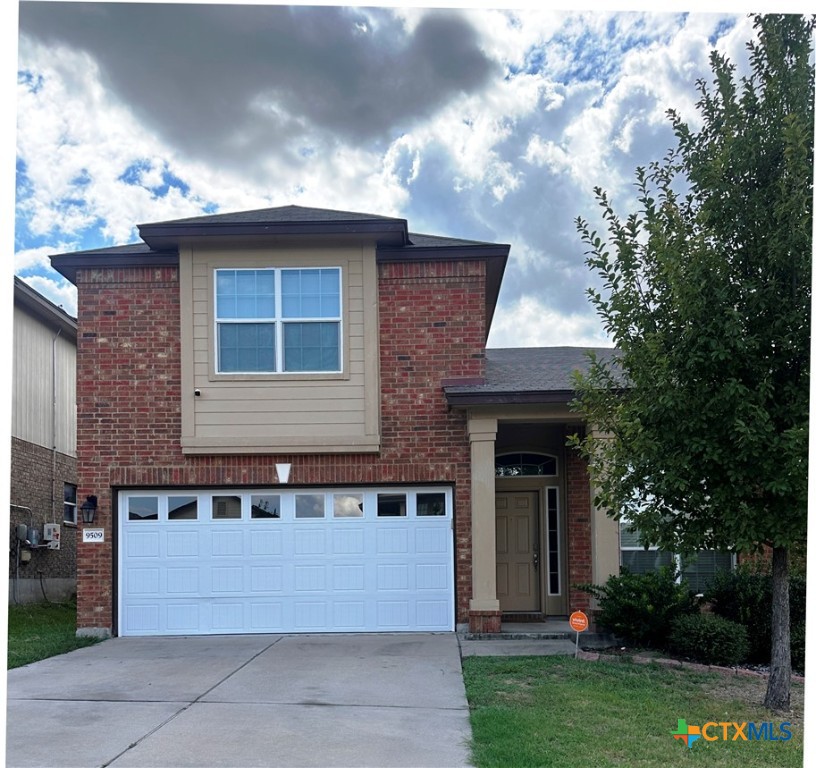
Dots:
{"x": 278, "y": 320}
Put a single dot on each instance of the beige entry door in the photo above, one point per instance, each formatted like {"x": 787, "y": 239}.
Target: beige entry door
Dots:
{"x": 517, "y": 580}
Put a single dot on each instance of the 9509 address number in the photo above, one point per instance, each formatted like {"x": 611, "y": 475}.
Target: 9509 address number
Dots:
{"x": 93, "y": 535}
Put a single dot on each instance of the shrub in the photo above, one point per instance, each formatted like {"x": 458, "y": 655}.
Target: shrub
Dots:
{"x": 798, "y": 648}
{"x": 745, "y": 595}
{"x": 710, "y": 639}
{"x": 639, "y": 608}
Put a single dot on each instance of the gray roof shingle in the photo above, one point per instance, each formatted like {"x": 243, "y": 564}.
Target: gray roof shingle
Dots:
{"x": 530, "y": 371}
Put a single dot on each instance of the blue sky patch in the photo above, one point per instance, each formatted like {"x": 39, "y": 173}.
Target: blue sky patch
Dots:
{"x": 31, "y": 80}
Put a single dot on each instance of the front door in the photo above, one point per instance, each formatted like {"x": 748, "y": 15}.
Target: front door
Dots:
{"x": 517, "y": 581}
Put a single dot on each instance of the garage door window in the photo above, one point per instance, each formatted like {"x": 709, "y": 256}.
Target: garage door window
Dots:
{"x": 391, "y": 505}
{"x": 143, "y": 508}
{"x": 265, "y": 506}
{"x": 348, "y": 504}
{"x": 226, "y": 507}
{"x": 430, "y": 504}
{"x": 310, "y": 505}
{"x": 182, "y": 507}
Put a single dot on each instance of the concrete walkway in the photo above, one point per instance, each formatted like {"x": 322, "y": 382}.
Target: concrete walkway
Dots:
{"x": 243, "y": 700}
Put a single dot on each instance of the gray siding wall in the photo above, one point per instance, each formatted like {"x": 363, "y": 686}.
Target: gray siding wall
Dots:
{"x": 290, "y": 412}
{"x": 36, "y": 358}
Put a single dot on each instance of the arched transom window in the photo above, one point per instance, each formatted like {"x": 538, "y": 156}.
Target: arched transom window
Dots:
{"x": 525, "y": 464}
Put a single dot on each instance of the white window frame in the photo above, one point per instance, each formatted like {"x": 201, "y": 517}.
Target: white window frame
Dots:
{"x": 278, "y": 321}
{"x": 69, "y": 504}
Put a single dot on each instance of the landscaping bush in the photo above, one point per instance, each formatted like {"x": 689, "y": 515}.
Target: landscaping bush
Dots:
{"x": 640, "y": 608}
{"x": 798, "y": 648}
{"x": 710, "y": 639}
{"x": 744, "y": 595}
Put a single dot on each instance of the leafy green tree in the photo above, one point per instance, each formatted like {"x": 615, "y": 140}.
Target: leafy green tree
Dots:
{"x": 700, "y": 425}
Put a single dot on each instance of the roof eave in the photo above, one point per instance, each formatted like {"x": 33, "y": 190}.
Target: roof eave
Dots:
{"x": 543, "y": 397}
{"x": 163, "y": 235}
{"x": 67, "y": 264}
{"x": 48, "y": 312}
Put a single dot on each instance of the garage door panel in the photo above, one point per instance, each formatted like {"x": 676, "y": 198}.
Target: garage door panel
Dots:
{"x": 349, "y": 573}
{"x": 431, "y": 576}
{"x": 349, "y": 615}
{"x": 310, "y": 541}
{"x": 393, "y": 614}
{"x": 310, "y": 578}
{"x": 144, "y": 618}
{"x": 430, "y": 613}
{"x": 347, "y": 578}
{"x": 266, "y": 578}
{"x": 311, "y": 615}
{"x": 228, "y": 617}
{"x": 143, "y": 581}
{"x": 227, "y": 579}
{"x": 348, "y": 541}
{"x": 263, "y": 542}
{"x": 228, "y": 543}
{"x": 183, "y": 581}
{"x": 392, "y": 541}
{"x": 143, "y": 544}
{"x": 266, "y": 617}
{"x": 184, "y": 617}
{"x": 183, "y": 543}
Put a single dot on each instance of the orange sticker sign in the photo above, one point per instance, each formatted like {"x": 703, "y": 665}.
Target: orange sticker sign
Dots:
{"x": 578, "y": 621}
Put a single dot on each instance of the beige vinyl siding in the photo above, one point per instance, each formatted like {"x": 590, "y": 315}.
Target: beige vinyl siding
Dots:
{"x": 33, "y": 385}
{"x": 280, "y": 412}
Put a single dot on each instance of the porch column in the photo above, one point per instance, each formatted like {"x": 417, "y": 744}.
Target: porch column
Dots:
{"x": 484, "y": 613}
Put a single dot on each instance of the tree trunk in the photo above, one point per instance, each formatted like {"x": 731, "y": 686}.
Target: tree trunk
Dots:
{"x": 777, "y": 697}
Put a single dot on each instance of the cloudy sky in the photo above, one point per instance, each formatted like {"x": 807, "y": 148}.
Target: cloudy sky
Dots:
{"x": 487, "y": 124}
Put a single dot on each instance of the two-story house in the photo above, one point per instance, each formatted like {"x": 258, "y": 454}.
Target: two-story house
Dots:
{"x": 43, "y": 472}
{"x": 291, "y": 423}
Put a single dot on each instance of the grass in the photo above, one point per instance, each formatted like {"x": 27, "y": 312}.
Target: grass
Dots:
{"x": 38, "y": 631}
{"x": 559, "y": 711}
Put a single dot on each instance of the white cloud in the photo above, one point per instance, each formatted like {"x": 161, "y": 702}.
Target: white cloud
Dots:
{"x": 36, "y": 258}
{"x": 528, "y": 322}
{"x": 63, "y": 294}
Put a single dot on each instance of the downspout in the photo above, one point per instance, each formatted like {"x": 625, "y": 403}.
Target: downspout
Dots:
{"x": 54, "y": 422}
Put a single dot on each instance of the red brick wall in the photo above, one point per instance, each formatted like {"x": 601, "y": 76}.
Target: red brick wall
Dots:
{"x": 432, "y": 327}
{"x": 579, "y": 536}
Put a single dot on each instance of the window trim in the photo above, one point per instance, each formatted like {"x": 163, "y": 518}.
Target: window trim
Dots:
{"x": 279, "y": 322}
{"x": 67, "y": 504}
{"x": 676, "y": 557}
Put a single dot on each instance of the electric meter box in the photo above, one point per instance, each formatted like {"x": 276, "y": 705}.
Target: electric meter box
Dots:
{"x": 51, "y": 534}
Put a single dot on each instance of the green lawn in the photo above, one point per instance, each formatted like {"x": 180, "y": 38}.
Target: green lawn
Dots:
{"x": 41, "y": 630}
{"x": 559, "y": 711}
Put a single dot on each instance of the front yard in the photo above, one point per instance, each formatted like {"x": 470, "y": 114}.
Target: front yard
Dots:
{"x": 562, "y": 712}
{"x": 39, "y": 630}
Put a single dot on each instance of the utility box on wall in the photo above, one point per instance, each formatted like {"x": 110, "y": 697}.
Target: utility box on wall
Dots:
{"x": 51, "y": 534}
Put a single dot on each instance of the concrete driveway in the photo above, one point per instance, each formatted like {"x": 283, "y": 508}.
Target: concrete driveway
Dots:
{"x": 243, "y": 700}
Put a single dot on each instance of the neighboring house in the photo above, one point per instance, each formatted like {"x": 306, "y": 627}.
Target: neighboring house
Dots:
{"x": 42, "y": 562}
{"x": 291, "y": 424}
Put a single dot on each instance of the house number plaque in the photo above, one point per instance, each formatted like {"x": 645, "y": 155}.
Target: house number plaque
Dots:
{"x": 93, "y": 535}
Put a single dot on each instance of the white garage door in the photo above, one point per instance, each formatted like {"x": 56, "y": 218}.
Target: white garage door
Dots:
{"x": 305, "y": 560}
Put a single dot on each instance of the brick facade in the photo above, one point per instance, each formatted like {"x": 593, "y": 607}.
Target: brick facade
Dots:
{"x": 579, "y": 532}
{"x": 36, "y": 483}
{"x": 432, "y": 327}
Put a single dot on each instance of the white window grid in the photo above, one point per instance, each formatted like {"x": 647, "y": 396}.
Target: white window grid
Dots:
{"x": 278, "y": 321}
